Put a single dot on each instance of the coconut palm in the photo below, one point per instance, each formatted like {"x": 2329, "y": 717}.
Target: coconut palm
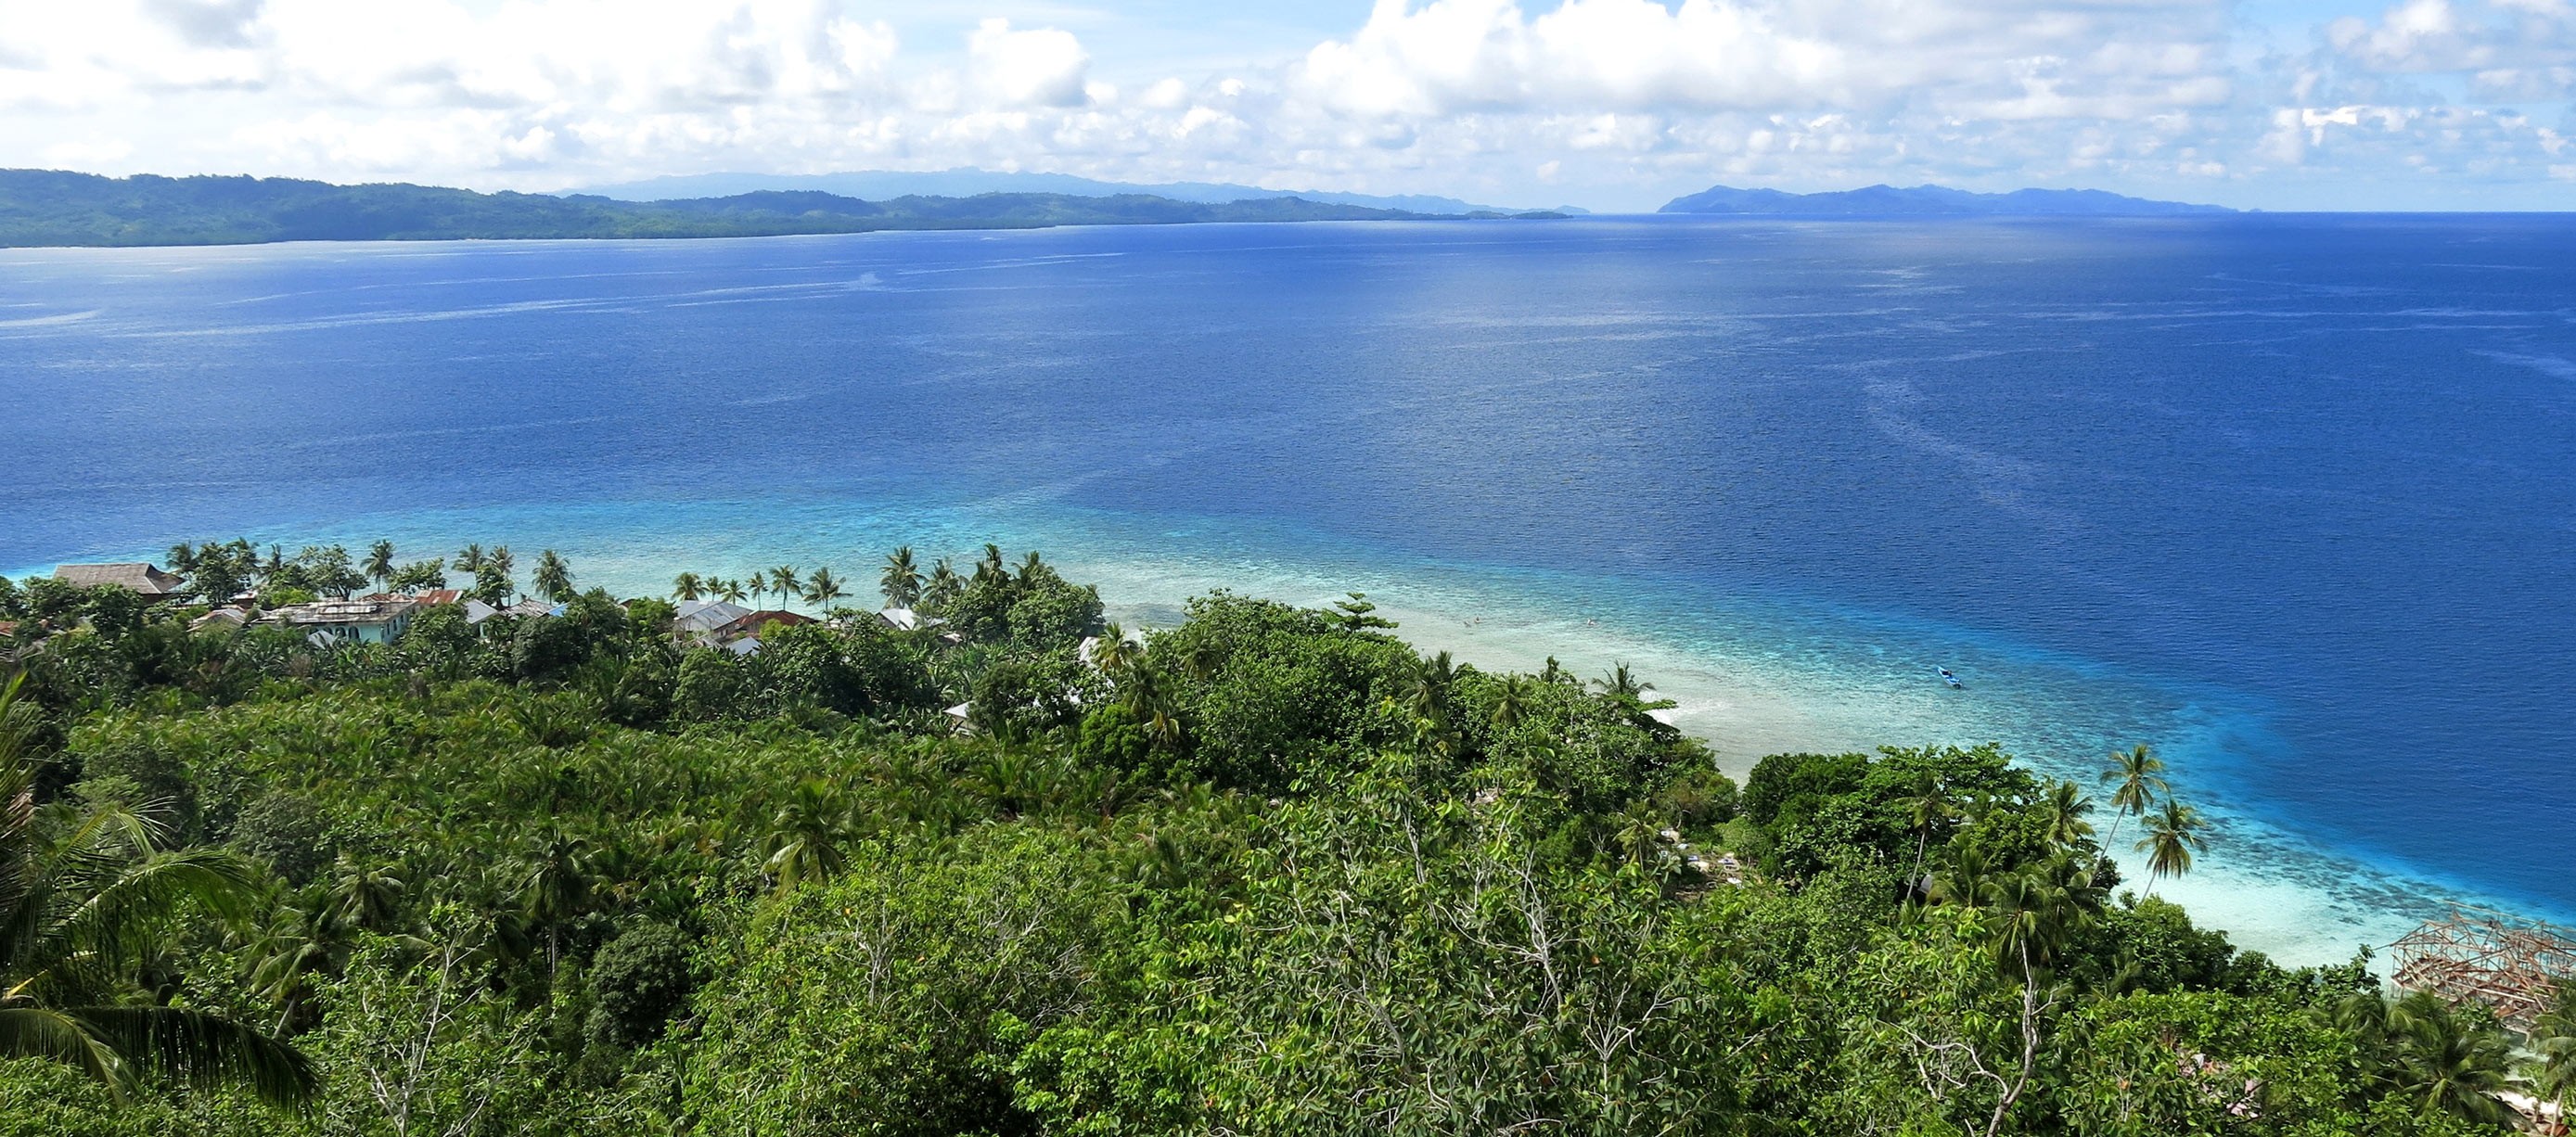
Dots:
{"x": 688, "y": 586}
{"x": 2553, "y": 1047}
{"x": 1927, "y": 806}
{"x": 554, "y": 884}
{"x": 2063, "y": 813}
{"x": 85, "y": 898}
{"x": 2139, "y": 775}
{"x": 2450, "y": 1062}
{"x": 804, "y": 839}
{"x": 782, "y": 580}
{"x": 1514, "y": 700}
{"x": 1111, "y": 653}
{"x": 365, "y": 895}
{"x": 943, "y": 587}
{"x": 823, "y": 589}
{"x": 1620, "y": 681}
{"x": 901, "y": 580}
{"x": 554, "y": 577}
{"x": 2173, "y": 835}
{"x": 990, "y": 568}
{"x": 733, "y": 591}
{"x": 502, "y": 561}
{"x": 759, "y": 585}
{"x": 2034, "y": 914}
{"x": 380, "y": 565}
{"x": 1030, "y": 567}
{"x": 468, "y": 560}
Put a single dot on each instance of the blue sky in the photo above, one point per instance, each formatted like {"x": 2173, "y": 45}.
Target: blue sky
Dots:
{"x": 1608, "y": 104}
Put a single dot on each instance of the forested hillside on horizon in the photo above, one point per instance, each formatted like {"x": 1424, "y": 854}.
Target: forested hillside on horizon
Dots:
{"x": 55, "y": 207}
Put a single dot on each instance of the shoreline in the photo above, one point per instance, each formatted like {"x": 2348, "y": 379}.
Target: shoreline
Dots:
{"x": 1749, "y": 680}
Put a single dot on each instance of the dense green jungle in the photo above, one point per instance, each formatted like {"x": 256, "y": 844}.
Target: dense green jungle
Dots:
{"x": 1270, "y": 871}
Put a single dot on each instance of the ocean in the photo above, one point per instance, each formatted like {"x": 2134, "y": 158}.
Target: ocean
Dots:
{"x": 2287, "y": 497}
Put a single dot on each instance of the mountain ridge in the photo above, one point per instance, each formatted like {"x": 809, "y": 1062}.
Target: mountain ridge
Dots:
{"x": 59, "y": 208}
{"x": 1930, "y": 200}
{"x": 968, "y": 181}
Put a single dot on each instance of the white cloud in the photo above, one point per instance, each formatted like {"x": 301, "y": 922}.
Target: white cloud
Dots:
{"x": 1612, "y": 102}
{"x": 1043, "y": 67}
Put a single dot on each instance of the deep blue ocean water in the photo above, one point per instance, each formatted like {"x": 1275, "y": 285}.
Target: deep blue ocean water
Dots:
{"x": 2290, "y": 497}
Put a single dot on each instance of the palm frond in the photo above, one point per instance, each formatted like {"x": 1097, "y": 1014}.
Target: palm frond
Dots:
{"x": 204, "y": 1050}
{"x": 61, "y": 1036}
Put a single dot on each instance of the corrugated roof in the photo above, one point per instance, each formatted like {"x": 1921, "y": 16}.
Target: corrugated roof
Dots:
{"x": 142, "y": 578}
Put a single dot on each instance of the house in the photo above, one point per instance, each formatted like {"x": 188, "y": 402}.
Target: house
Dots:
{"x": 347, "y": 621}
{"x": 701, "y": 618}
{"x": 228, "y": 617}
{"x": 750, "y": 623}
{"x": 141, "y": 579}
{"x": 905, "y": 619}
{"x": 423, "y": 598}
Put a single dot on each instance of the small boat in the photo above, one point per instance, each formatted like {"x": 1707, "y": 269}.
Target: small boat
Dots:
{"x": 1950, "y": 679}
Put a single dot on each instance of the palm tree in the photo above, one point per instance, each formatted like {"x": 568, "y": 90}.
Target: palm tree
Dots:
{"x": 501, "y": 562}
{"x": 990, "y": 568}
{"x": 901, "y": 580}
{"x": 1620, "y": 681}
{"x": 943, "y": 587}
{"x": 732, "y": 591}
{"x": 783, "y": 581}
{"x": 85, "y": 898}
{"x": 759, "y": 586}
{"x": 1030, "y": 567}
{"x": 804, "y": 837}
{"x": 822, "y": 590}
{"x": 555, "y": 886}
{"x": 2172, "y": 837}
{"x": 2140, "y": 775}
{"x": 554, "y": 577}
{"x": 273, "y": 567}
{"x": 468, "y": 560}
{"x": 2553, "y": 1042}
{"x": 1112, "y": 654}
{"x": 1514, "y": 700}
{"x": 2451, "y": 1063}
{"x": 380, "y": 565}
{"x": 365, "y": 896}
{"x": 2064, "y": 812}
{"x": 1927, "y": 806}
{"x": 687, "y": 586}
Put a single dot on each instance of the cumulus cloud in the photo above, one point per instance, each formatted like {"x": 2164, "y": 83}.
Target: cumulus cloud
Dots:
{"x": 1625, "y": 100}
{"x": 1043, "y": 67}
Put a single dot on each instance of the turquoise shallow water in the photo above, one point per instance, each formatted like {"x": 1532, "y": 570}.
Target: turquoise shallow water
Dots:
{"x": 2285, "y": 497}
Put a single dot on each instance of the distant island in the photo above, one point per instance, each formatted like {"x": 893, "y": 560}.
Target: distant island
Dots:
{"x": 52, "y": 207}
{"x": 968, "y": 181}
{"x": 1883, "y": 201}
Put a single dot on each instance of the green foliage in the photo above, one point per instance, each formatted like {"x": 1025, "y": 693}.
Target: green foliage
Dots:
{"x": 637, "y": 982}
{"x": 53, "y": 207}
{"x": 1269, "y": 872}
{"x": 874, "y": 1005}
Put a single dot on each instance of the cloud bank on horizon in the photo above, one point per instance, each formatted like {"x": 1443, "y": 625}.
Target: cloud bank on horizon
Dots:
{"x": 1605, "y": 103}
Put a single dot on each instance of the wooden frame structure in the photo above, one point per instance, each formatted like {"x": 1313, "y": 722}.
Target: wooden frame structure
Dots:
{"x": 2508, "y": 963}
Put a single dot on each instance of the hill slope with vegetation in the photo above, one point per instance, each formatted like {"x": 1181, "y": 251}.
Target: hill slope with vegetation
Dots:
{"x": 54, "y": 207}
{"x": 1267, "y": 872}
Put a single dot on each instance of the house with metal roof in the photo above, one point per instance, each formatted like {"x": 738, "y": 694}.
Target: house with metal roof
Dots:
{"x": 347, "y": 621}
{"x": 135, "y": 576}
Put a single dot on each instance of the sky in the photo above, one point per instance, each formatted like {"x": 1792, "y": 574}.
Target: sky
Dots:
{"x": 1614, "y": 105}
